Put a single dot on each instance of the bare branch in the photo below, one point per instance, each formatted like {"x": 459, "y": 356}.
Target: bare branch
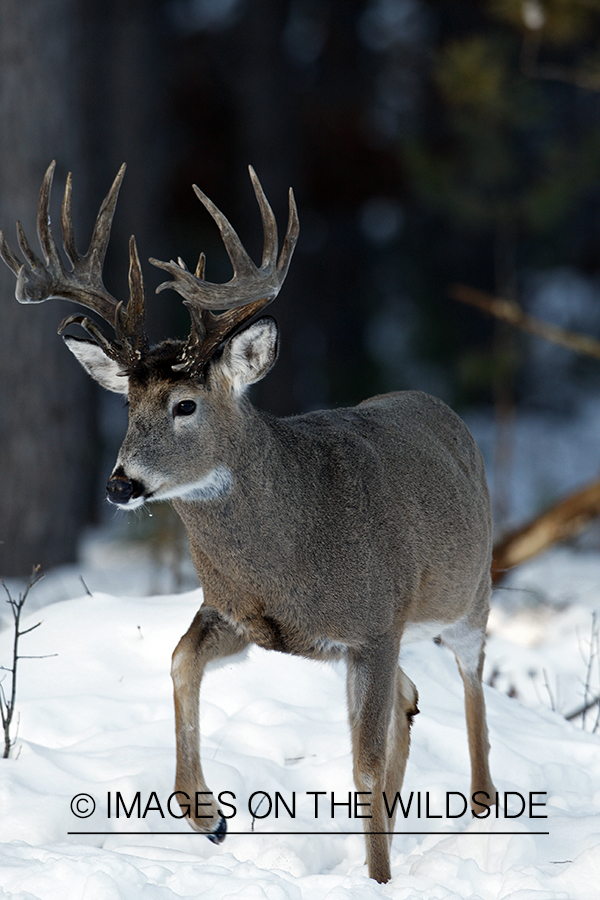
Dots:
{"x": 36, "y": 655}
{"x": 586, "y": 79}
{"x": 7, "y": 704}
{"x": 27, "y": 630}
{"x": 511, "y": 312}
{"x": 569, "y": 516}
{"x": 583, "y": 709}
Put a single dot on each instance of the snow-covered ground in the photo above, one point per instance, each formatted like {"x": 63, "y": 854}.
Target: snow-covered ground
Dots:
{"x": 96, "y": 719}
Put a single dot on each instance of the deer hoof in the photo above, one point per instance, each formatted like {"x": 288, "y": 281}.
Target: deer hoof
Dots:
{"x": 218, "y": 835}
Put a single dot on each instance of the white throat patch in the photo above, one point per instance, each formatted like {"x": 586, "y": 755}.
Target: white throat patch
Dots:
{"x": 218, "y": 483}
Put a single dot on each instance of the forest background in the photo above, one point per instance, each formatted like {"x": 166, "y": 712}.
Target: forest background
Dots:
{"x": 429, "y": 143}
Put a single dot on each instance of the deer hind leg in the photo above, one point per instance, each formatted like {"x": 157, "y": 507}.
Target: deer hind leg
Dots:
{"x": 371, "y": 701}
{"x": 466, "y": 638}
{"x": 208, "y": 638}
{"x": 404, "y": 709}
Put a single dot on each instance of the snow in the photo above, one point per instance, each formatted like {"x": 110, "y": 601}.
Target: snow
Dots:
{"x": 97, "y": 719}
{"x": 546, "y": 462}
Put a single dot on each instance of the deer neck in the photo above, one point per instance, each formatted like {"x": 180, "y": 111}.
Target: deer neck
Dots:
{"x": 253, "y": 457}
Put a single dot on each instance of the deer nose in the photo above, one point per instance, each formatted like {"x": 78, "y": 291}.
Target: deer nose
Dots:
{"x": 121, "y": 489}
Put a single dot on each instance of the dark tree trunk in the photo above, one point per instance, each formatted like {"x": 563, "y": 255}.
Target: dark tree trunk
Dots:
{"x": 265, "y": 138}
{"x": 47, "y": 436}
{"x": 121, "y": 99}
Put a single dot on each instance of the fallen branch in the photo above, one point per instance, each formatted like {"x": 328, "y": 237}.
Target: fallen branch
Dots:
{"x": 562, "y": 521}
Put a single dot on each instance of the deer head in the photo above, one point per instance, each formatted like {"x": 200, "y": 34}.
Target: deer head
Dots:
{"x": 222, "y": 355}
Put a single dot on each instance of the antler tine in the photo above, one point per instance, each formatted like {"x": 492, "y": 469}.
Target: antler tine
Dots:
{"x": 200, "y": 268}
{"x": 291, "y": 238}
{"x": 103, "y": 224}
{"x": 129, "y": 320}
{"x": 45, "y": 236}
{"x": 269, "y": 259}
{"x": 94, "y": 330}
{"x": 66, "y": 215}
{"x": 28, "y": 253}
{"x": 241, "y": 262}
{"x": 8, "y": 257}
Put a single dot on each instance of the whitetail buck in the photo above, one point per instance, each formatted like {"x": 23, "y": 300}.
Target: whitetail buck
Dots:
{"x": 335, "y": 534}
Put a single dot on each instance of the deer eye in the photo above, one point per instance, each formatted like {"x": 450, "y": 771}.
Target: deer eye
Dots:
{"x": 184, "y": 408}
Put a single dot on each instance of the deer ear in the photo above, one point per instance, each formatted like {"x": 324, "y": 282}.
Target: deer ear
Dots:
{"x": 249, "y": 355}
{"x": 96, "y": 363}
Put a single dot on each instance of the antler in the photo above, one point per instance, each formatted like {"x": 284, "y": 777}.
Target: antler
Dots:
{"x": 250, "y": 289}
{"x": 83, "y": 284}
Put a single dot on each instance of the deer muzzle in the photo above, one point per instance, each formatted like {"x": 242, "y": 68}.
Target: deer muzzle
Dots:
{"x": 122, "y": 490}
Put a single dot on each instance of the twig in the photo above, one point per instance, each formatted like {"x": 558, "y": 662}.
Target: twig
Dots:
{"x": 7, "y": 704}
{"x": 597, "y": 722}
{"x": 255, "y": 811}
{"x": 588, "y": 673}
{"x": 547, "y": 686}
{"x": 593, "y": 656}
{"x": 583, "y": 709}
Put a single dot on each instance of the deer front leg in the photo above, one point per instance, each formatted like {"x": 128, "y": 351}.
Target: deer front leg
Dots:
{"x": 371, "y": 699}
{"x": 208, "y": 638}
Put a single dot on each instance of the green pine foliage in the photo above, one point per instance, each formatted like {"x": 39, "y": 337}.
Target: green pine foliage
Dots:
{"x": 506, "y": 163}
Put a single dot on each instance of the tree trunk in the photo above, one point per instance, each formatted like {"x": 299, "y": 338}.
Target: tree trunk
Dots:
{"x": 47, "y": 437}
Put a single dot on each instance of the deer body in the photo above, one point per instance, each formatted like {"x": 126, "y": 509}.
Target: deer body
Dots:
{"x": 335, "y": 534}
{"x": 347, "y": 524}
